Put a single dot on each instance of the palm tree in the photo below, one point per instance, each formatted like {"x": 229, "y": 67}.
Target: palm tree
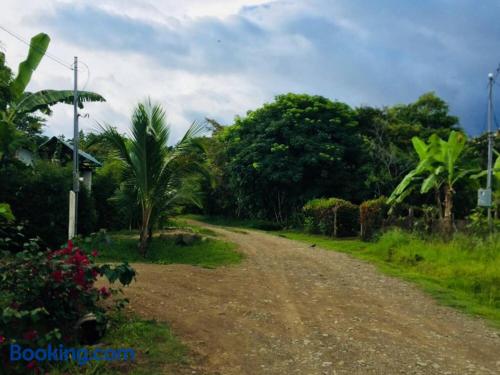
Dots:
{"x": 158, "y": 173}
{"x": 440, "y": 167}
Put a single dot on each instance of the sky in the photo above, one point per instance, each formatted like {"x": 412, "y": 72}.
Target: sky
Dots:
{"x": 221, "y": 58}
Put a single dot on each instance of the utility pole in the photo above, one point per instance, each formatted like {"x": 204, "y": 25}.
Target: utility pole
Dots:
{"x": 73, "y": 195}
{"x": 490, "y": 147}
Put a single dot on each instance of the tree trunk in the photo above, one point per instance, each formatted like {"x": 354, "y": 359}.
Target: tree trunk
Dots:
{"x": 439, "y": 204}
{"x": 143, "y": 241}
{"x": 448, "y": 210}
{"x": 150, "y": 233}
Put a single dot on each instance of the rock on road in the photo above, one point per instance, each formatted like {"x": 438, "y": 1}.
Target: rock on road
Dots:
{"x": 292, "y": 309}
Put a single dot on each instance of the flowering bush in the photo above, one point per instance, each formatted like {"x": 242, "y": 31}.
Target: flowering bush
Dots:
{"x": 43, "y": 294}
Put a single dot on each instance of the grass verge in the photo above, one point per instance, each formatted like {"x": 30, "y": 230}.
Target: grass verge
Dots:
{"x": 206, "y": 252}
{"x": 157, "y": 350}
{"x": 463, "y": 273}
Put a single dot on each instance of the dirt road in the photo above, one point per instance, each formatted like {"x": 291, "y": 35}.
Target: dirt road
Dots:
{"x": 293, "y": 309}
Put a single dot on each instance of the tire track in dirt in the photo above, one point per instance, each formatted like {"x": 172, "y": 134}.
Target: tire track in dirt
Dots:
{"x": 291, "y": 309}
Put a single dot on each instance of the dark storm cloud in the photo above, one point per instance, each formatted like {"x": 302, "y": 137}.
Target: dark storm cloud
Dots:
{"x": 377, "y": 53}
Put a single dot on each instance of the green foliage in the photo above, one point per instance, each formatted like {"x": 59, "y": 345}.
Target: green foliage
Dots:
{"x": 156, "y": 176}
{"x": 287, "y": 152}
{"x": 387, "y": 134}
{"x": 38, "y": 46}
{"x": 47, "y": 292}
{"x": 332, "y": 216}
{"x": 39, "y": 196}
{"x": 441, "y": 167}
{"x": 478, "y": 223}
{"x": 300, "y": 147}
{"x": 41, "y": 100}
{"x": 372, "y": 214}
{"x": 17, "y": 123}
{"x": 6, "y": 213}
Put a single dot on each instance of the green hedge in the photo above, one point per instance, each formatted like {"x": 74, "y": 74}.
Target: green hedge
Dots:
{"x": 372, "y": 214}
{"x": 39, "y": 197}
{"x": 331, "y": 216}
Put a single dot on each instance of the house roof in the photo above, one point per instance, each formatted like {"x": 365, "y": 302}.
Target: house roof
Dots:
{"x": 81, "y": 153}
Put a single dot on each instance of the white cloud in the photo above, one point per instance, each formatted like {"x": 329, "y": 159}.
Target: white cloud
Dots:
{"x": 221, "y": 58}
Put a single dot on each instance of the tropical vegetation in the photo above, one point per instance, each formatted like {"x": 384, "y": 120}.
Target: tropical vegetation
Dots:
{"x": 155, "y": 175}
{"x": 319, "y": 169}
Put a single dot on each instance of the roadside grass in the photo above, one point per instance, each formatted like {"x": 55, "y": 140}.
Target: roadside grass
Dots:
{"x": 157, "y": 350}
{"x": 183, "y": 224}
{"x": 206, "y": 252}
{"x": 463, "y": 273}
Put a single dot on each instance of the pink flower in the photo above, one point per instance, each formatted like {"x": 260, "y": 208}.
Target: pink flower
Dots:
{"x": 2, "y": 339}
{"x": 31, "y": 365}
{"x": 70, "y": 244}
{"x": 95, "y": 253}
{"x": 78, "y": 258}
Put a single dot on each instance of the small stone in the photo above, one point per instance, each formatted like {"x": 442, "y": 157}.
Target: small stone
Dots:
{"x": 326, "y": 364}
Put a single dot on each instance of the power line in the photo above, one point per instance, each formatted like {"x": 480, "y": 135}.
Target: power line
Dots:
{"x": 54, "y": 58}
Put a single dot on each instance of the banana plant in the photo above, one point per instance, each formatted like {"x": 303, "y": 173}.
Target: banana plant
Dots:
{"x": 27, "y": 102}
{"x": 22, "y": 102}
{"x": 439, "y": 169}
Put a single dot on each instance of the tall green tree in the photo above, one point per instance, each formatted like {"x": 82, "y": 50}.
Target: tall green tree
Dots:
{"x": 289, "y": 151}
{"x": 156, "y": 176}
{"x": 387, "y": 133}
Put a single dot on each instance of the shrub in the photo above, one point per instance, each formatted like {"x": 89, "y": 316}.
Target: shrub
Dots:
{"x": 43, "y": 294}
{"x": 105, "y": 189}
{"x": 12, "y": 234}
{"x": 39, "y": 198}
{"x": 372, "y": 214}
{"x": 331, "y": 216}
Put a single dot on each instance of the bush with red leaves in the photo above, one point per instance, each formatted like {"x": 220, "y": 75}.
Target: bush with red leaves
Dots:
{"x": 43, "y": 294}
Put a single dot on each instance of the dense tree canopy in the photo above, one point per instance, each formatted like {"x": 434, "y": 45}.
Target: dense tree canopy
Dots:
{"x": 274, "y": 159}
{"x": 387, "y": 133}
{"x": 289, "y": 151}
